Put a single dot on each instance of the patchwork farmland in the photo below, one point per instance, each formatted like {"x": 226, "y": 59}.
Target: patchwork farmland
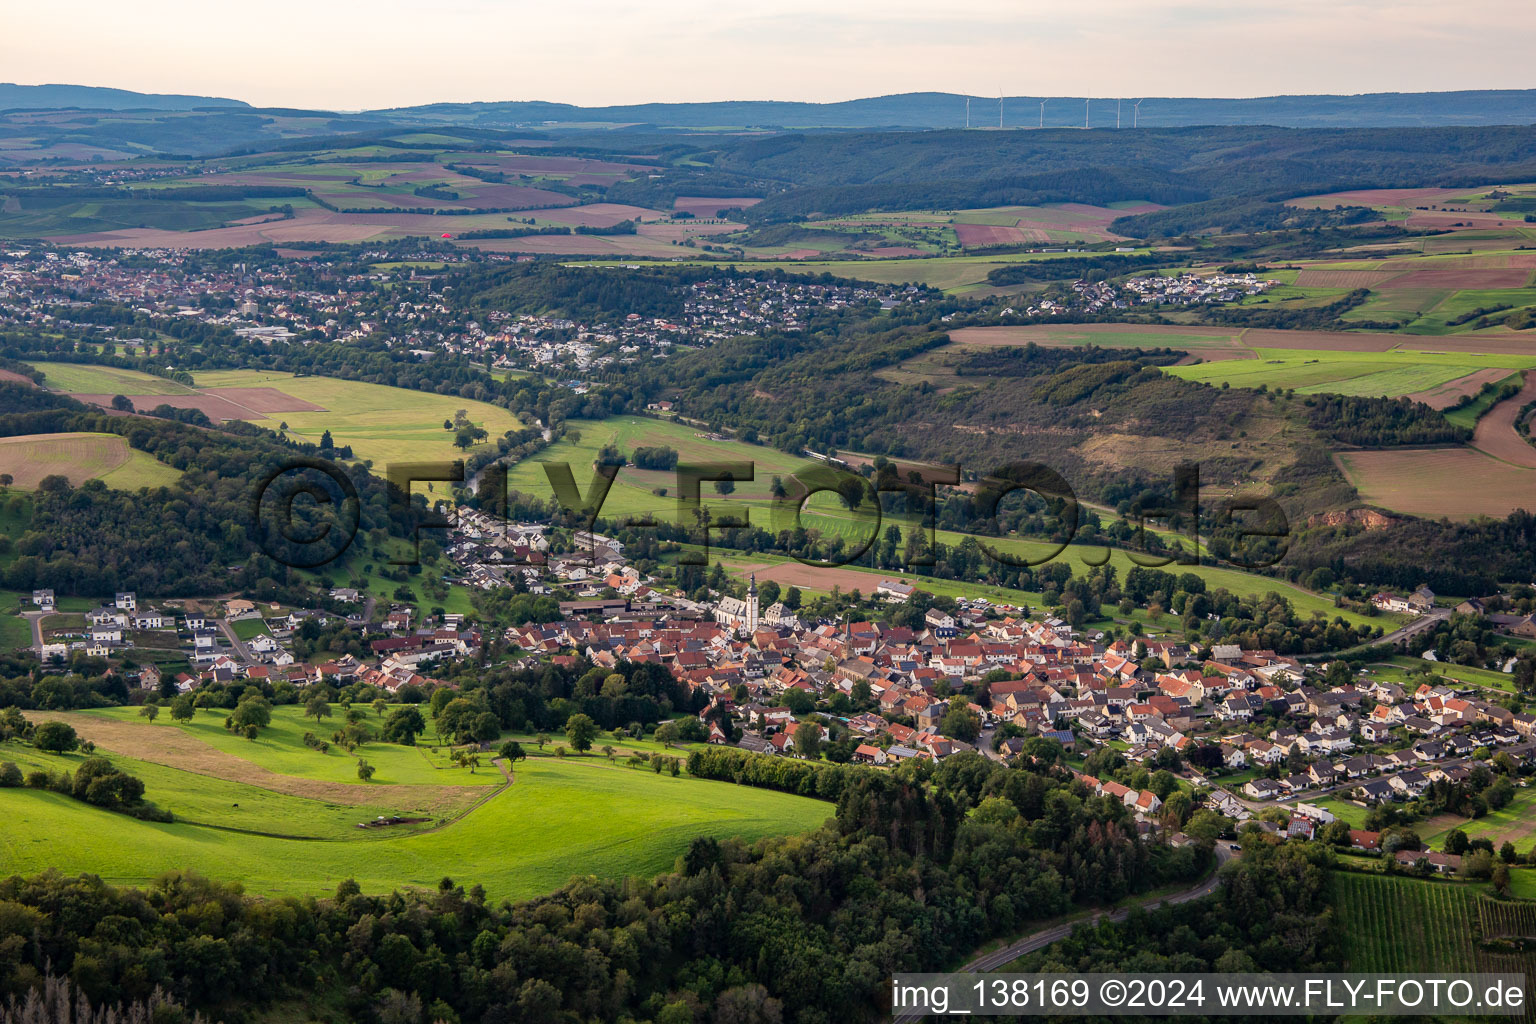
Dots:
{"x": 378, "y": 422}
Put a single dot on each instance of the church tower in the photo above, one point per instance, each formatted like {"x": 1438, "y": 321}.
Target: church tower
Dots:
{"x": 752, "y": 605}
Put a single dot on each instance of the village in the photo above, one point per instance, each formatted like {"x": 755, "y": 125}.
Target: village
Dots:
{"x": 1249, "y": 734}
{"x": 383, "y": 295}
{"x": 1186, "y": 289}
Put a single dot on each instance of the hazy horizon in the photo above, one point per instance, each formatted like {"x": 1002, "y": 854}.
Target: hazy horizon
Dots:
{"x": 593, "y": 53}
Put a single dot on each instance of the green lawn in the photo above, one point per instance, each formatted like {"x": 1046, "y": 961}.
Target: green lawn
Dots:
{"x": 1460, "y": 673}
{"x": 15, "y": 631}
{"x": 1343, "y": 810}
{"x": 223, "y": 803}
{"x": 247, "y": 629}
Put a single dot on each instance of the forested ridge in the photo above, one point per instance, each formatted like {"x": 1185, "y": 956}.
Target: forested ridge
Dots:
{"x": 174, "y": 540}
{"x": 840, "y": 173}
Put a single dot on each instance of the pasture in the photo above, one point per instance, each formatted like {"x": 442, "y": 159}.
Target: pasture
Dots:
{"x": 28, "y": 458}
{"x": 246, "y": 821}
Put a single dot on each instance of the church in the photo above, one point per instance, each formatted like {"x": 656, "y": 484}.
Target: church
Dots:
{"x": 738, "y": 613}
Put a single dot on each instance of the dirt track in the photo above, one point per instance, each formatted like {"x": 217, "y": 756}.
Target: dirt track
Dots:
{"x": 1496, "y": 435}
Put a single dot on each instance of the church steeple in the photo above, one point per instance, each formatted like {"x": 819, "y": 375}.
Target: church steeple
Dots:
{"x": 752, "y": 604}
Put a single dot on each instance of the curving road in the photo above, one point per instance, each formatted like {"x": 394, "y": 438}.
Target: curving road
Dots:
{"x": 1039, "y": 940}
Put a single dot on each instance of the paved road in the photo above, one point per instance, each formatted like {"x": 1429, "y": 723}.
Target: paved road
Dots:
{"x": 1418, "y": 625}
{"x": 36, "y": 619}
{"x": 1039, "y": 940}
{"x": 241, "y": 651}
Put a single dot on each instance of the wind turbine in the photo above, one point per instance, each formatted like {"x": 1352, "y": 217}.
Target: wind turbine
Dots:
{"x": 1042, "y": 113}
{"x": 1085, "y": 112}
{"x": 1136, "y": 115}
{"x": 1117, "y": 112}
{"x": 999, "y": 108}
{"x": 967, "y": 111}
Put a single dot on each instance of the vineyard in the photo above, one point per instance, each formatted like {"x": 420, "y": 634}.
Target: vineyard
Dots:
{"x": 1400, "y": 925}
{"x": 1406, "y": 926}
{"x": 1498, "y": 919}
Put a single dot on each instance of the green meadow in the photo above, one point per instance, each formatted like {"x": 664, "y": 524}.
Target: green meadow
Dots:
{"x": 106, "y": 380}
{"x": 522, "y": 838}
{"x": 1316, "y": 371}
{"x": 380, "y": 423}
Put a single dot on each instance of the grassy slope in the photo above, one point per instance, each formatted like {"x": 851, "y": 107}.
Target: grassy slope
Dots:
{"x": 280, "y": 748}
{"x": 379, "y": 422}
{"x": 81, "y": 457}
{"x": 106, "y": 380}
{"x": 559, "y": 817}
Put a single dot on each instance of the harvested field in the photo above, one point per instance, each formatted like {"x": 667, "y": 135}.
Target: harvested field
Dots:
{"x": 265, "y": 400}
{"x": 1462, "y": 219}
{"x": 28, "y": 458}
{"x": 1457, "y": 483}
{"x": 518, "y": 163}
{"x": 707, "y": 206}
{"x": 12, "y": 375}
{"x": 974, "y": 236}
{"x": 1350, "y": 279}
{"x": 1446, "y": 395}
{"x": 596, "y": 215}
{"x": 810, "y": 577}
{"x": 1408, "y": 197}
{"x": 1180, "y": 336}
{"x": 1496, "y": 434}
{"x": 213, "y": 407}
{"x": 611, "y": 246}
{"x": 1458, "y": 277}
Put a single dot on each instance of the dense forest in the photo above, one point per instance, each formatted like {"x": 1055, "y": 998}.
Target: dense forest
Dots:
{"x": 841, "y": 173}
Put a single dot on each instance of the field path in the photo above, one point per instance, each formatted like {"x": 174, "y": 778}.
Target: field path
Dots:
{"x": 1496, "y": 435}
{"x": 174, "y": 747}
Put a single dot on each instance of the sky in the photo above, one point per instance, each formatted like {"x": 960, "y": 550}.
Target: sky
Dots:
{"x": 356, "y": 55}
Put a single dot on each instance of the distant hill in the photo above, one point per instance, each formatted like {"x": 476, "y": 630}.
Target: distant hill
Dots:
{"x": 96, "y": 98}
{"x": 948, "y": 110}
